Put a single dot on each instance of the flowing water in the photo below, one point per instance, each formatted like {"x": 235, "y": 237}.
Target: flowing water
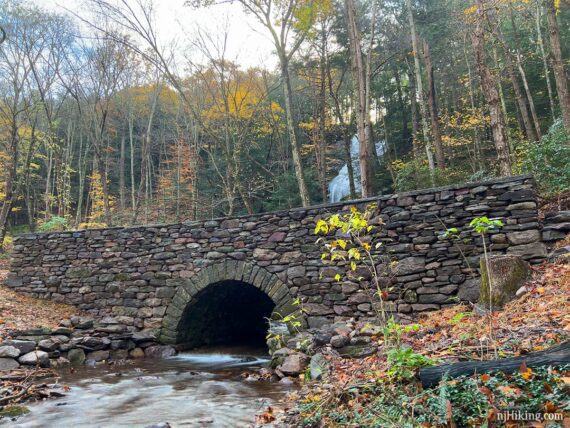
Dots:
{"x": 339, "y": 186}
{"x": 189, "y": 390}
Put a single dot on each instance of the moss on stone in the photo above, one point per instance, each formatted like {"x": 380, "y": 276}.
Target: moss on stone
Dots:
{"x": 508, "y": 274}
{"x": 13, "y": 411}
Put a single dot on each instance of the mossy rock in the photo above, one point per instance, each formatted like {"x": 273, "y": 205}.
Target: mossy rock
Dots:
{"x": 507, "y": 274}
{"x": 78, "y": 272}
{"x": 13, "y": 411}
{"x": 357, "y": 351}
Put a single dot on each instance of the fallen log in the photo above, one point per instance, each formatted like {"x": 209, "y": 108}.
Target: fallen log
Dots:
{"x": 558, "y": 355}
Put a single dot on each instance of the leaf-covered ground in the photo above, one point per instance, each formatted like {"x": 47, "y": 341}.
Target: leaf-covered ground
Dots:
{"x": 19, "y": 311}
{"x": 364, "y": 393}
{"x": 532, "y": 322}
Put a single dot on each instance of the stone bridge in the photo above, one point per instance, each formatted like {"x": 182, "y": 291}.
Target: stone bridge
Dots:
{"x": 211, "y": 281}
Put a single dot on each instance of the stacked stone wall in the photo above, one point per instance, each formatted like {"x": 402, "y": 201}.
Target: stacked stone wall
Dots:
{"x": 132, "y": 274}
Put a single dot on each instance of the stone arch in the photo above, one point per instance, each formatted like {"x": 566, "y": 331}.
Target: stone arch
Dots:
{"x": 230, "y": 270}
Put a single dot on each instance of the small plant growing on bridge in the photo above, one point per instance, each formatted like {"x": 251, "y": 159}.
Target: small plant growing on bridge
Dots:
{"x": 275, "y": 338}
{"x": 353, "y": 246}
{"x": 454, "y": 235}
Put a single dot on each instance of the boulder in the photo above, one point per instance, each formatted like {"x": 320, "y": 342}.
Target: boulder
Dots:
{"x": 24, "y": 346}
{"x": 501, "y": 277}
{"x": 76, "y": 356}
{"x": 85, "y": 324}
{"x": 371, "y": 330}
{"x": 48, "y": 345}
{"x": 94, "y": 343}
{"x": 143, "y": 336}
{"x": 322, "y": 338}
{"x": 63, "y": 331}
{"x": 8, "y": 364}
{"x": 294, "y": 364}
{"x": 35, "y": 358}
{"x": 318, "y": 366}
{"x": 339, "y": 340}
{"x": 136, "y": 353}
{"x": 9, "y": 352}
{"x": 357, "y": 351}
{"x": 560, "y": 255}
{"x": 159, "y": 351}
{"x": 469, "y": 291}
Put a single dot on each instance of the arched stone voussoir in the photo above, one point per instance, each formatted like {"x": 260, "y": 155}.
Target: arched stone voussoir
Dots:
{"x": 228, "y": 270}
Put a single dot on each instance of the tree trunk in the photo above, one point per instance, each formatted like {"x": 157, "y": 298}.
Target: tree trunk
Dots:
{"x": 322, "y": 162}
{"x": 122, "y": 176}
{"x": 403, "y": 111}
{"x": 9, "y": 184}
{"x": 489, "y": 87}
{"x": 132, "y": 163}
{"x": 295, "y": 147}
{"x": 558, "y": 64}
{"x": 523, "y": 74}
{"x": 530, "y": 98}
{"x": 414, "y": 107}
{"x": 420, "y": 91}
{"x": 47, "y": 193}
{"x": 476, "y": 131}
{"x": 527, "y": 124}
{"x": 105, "y": 188}
{"x": 556, "y": 356}
{"x": 432, "y": 103}
{"x": 544, "y": 60}
{"x": 81, "y": 179}
{"x": 366, "y": 159}
{"x": 371, "y": 146}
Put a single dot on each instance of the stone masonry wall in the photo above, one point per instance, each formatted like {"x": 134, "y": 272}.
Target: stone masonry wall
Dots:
{"x": 133, "y": 273}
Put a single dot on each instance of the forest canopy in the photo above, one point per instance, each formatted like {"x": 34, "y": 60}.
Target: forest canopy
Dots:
{"x": 103, "y": 124}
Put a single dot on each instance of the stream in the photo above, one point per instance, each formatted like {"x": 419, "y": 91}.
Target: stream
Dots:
{"x": 193, "y": 389}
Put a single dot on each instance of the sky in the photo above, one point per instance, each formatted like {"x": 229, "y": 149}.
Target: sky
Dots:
{"x": 248, "y": 42}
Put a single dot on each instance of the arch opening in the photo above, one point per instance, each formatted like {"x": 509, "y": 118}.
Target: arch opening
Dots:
{"x": 228, "y": 312}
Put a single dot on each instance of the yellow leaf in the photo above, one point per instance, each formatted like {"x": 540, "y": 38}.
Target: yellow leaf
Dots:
{"x": 470, "y": 10}
{"x": 527, "y": 374}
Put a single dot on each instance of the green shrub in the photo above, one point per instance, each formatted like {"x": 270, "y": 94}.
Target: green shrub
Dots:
{"x": 548, "y": 160}
{"x": 54, "y": 224}
{"x": 404, "y": 362}
{"x": 415, "y": 175}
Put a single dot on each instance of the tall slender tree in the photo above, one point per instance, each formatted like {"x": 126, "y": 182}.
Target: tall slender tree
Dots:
{"x": 560, "y": 75}
{"x": 489, "y": 87}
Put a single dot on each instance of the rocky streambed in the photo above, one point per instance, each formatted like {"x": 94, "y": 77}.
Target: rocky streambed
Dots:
{"x": 77, "y": 341}
{"x": 221, "y": 388}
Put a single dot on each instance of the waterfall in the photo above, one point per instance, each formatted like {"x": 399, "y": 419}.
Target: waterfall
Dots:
{"x": 339, "y": 187}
